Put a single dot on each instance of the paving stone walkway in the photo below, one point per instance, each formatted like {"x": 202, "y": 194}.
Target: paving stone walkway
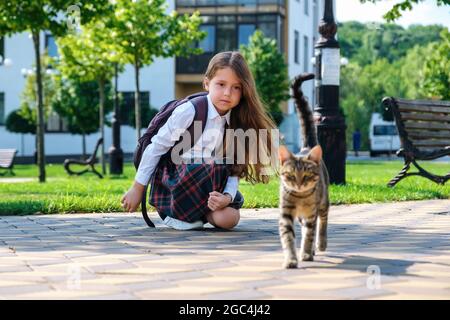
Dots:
{"x": 376, "y": 251}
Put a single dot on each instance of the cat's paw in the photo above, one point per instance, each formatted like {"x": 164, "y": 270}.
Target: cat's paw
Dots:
{"x": 307, "y": 256}
{"x": 322, "y": 246}
{"x": 290, "y": 263}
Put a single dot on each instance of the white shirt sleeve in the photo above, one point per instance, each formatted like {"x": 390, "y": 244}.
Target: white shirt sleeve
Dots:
{"x": 167, "y": 136}
{"x": 231, "y": 187}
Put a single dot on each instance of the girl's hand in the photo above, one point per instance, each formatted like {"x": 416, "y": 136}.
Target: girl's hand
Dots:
{"x": 131, "y": 200}
{"x": 218, "y": 200}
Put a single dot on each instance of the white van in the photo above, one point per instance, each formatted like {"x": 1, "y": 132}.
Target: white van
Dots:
{"x": 383, "y": 136}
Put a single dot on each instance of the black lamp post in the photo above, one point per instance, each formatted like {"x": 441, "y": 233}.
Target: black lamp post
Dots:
{"x": 115, "y": 152}
{"x": 329, "y": 120}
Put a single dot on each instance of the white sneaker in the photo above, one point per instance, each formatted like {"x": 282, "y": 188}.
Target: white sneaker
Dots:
{"x": 183, "y": 225}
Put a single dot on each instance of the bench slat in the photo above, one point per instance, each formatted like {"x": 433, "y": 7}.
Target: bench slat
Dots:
{"x": 427, "y": 103}
{"x": 429, "y": 150}
{"x": 431, "y": 143}
{"x": 425, "y": 117}
{"x": 7, "y": 158}
{"x": 425, "y": 134}
{"x": 414, "y": 108}
{"x": 427, "y": 125}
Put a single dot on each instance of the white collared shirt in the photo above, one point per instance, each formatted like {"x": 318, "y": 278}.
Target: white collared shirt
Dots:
{"x": 210, "y": 140}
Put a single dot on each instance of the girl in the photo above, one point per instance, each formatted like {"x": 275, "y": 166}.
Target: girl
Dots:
{"x": 188, "y": 195}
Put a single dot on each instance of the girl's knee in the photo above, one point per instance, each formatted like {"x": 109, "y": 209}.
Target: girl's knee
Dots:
{"x": 226, "y": 218}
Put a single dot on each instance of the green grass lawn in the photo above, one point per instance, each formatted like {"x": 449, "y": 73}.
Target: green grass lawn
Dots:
{"x": 366, "y": 183}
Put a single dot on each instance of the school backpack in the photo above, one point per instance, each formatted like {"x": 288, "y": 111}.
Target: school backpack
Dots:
{"x": 200, "y": 102}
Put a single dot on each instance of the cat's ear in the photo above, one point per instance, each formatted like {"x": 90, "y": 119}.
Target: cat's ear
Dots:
{"x": 284, "y": 154}
{"x": 315, "y": 154}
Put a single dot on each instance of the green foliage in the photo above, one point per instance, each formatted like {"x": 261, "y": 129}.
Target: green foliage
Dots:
{"x": 28, "y": 98}
{"x": 78, "y": 102}
{"x": 144, "y": 31}
{"x": 89, "y": 55}
{"x": 147, "y": 115}
{"x": 436, "y": 77}
{"x": 270, "y": 72}
{"x": 397, "y": 9}
{"x": 36, "y": 15}
{"x": 365, "y": 43}
{"x": 15, "y": 122}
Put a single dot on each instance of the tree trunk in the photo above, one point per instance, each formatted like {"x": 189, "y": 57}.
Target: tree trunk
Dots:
{"x": 40, "y": 109}
{"x": 83, "y": 140}
{"x": 101, "y": 84}
{"x": 137, "y": 106}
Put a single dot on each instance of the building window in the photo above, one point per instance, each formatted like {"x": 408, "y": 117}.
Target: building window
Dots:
{"x": 268, "y": 25}
{"x": 305, "y": 54}
{"x": 50, "y": 45}
{"x": 306, "y": 3}
{"x": 226, "y": 33}
{"x": 2, "y": 108}
{"x": 245, "y": 32}
{"x": 208, "y": 43}
{"x": 55, "y": 123}
{"x": 296, "y": 46}
{"x": 127, "y": 108}
{"x": 229, "y": 32}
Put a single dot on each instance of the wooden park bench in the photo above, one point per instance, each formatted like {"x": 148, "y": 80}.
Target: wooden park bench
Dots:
{"x": 424, "y": 130}
{"x": 90, "y": 162}
{"x": 7, "y": 160}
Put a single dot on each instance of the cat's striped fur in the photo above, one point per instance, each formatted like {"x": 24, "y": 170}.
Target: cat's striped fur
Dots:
{"x": 303, "y": 188}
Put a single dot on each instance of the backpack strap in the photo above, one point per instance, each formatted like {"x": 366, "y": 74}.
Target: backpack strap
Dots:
{"x": 200, "y": 103}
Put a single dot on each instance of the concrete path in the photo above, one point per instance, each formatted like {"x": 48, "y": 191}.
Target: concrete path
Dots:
{"x": 376, "y": 251}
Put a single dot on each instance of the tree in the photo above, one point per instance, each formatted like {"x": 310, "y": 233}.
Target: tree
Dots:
{"x": 128, "y": 116}
{"x": 35, "y": 16}
{"x": 363, "y": 88}
{"x": 436, "y": 72}
{"x": 270, "y": 71}
{"x": 28, "y": 96}
{"x": 144, "y": 31}
{"x": 364, "y": 43}
{"x": 90, "y": 56}
{"x": 397, "y": 9}
{"x": 16, "y": 122}
{"x": 78, "y": 102}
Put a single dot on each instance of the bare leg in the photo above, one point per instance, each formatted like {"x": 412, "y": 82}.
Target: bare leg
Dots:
{"x": 226, "y": 218}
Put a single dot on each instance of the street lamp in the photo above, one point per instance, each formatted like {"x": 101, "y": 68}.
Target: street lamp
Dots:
{"x": 115, "y": 152}
{"x": 330, "y": 122}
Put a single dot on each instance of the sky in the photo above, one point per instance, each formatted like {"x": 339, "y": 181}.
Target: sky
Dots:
{"x": 425, "y": 13}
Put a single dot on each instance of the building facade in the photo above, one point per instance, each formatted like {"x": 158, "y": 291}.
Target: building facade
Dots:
{"x": 228, "y": 23}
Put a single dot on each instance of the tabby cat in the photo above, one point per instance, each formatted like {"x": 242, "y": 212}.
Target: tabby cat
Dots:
{"x": 303, "y": 188}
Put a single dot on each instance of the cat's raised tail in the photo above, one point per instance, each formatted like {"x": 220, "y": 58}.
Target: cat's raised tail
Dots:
{"x": 309, "y": 134}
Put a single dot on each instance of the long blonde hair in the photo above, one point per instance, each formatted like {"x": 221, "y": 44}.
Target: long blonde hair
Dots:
{"x": 250, "y": 113}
